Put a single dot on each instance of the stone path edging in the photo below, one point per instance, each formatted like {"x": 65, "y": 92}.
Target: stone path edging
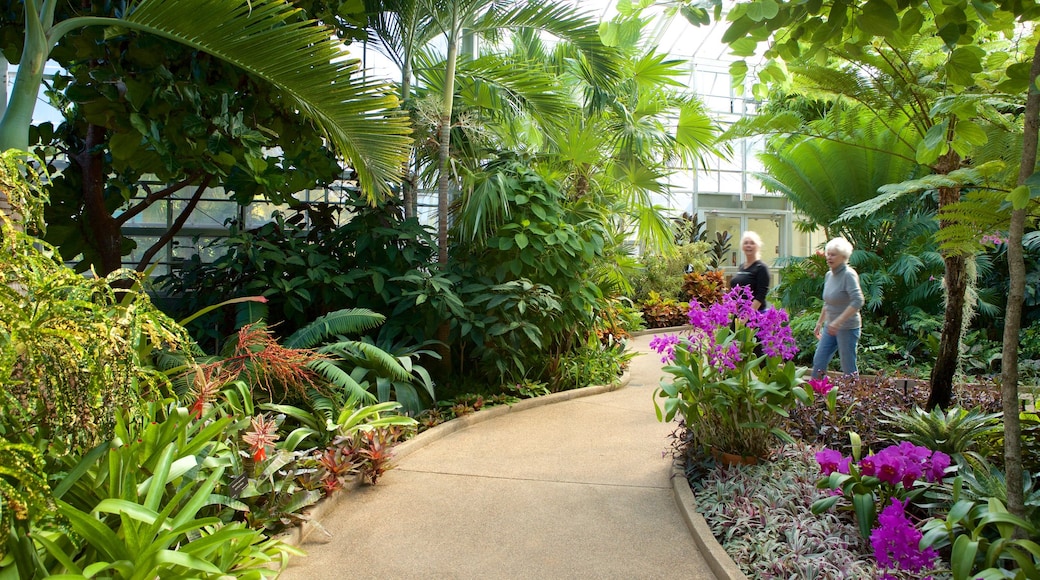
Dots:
{"x": 297, "y": 535}
{"x": 718, "y": 560}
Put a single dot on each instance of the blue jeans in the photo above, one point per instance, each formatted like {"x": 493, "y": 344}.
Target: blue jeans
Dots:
{"x": 844, "y": 343}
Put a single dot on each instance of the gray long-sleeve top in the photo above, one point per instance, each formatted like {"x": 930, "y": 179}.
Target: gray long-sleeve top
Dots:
{"x": 841, "y": 290}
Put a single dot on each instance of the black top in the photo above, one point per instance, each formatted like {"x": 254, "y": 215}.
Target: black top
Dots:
{"x": 755, "y": 276}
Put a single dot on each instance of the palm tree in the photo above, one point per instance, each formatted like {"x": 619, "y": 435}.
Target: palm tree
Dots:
{"x": 302, "y": 59}
{"x": 415, "y": 22}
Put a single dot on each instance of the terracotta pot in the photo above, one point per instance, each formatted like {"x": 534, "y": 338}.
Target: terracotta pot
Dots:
{"x": 731, "y": 459}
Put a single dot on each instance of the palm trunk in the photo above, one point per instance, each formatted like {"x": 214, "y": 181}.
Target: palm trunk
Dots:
{"x": 14, "y": 126}
{"x": 409, "y": 193}
{"x": 18, "y": 113}
{"x": 444, "y": 158}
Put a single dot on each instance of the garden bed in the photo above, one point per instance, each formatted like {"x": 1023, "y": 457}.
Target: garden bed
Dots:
{"x": 762, "y": 514}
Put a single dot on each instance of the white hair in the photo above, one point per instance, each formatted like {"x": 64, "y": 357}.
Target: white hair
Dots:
{"x": 840, "y": 246}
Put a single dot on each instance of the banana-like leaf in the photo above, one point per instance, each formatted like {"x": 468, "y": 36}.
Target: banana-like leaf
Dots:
{"x": 341, "y": 379}
{"x": 345, "y": 321}
{"x": 369, "y": 356}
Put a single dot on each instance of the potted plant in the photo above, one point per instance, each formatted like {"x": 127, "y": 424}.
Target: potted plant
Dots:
{"x": 732, "y": 376}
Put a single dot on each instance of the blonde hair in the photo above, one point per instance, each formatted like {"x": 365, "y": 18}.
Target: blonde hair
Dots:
{"x": 750, "y": 235}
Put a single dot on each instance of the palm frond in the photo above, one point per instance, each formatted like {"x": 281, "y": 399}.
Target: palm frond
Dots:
{"x": 369, "y": 356}
{"x": 500, "y": 84}
{"x": 302, "y": 59}
{"x": 564, "y": 21}
{"x": 346, "y": 321}
{"x": 338, "y": 377}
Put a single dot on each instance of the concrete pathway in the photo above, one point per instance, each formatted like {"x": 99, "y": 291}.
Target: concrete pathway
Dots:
{"x": 574, "y": 488}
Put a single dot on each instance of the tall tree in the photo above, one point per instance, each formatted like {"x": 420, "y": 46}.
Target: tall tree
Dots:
{"x": 485, "y": 20}
{"x": 914, "y": 64}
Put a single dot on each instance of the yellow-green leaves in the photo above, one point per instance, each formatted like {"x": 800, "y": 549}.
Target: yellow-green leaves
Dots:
{"x": 934, "y": 144}
{"x": 964, "y": 62}
{"x": 760, "y": 10}
{"x": 1019, "y": 197}
{"x": 878, "y": 18}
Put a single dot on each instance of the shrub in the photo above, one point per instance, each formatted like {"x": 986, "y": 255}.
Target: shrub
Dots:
{"x": 661, "y": 312}
{"x": 705, "y": 288}
{"x": 664, "y": 274}
{"x": 75, "y": 349}
{"x": 307, "y": 266}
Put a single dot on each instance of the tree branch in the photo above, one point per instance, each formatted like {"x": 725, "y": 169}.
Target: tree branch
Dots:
{"x": 177, "y": 224}
{"x": 153, "y": 197}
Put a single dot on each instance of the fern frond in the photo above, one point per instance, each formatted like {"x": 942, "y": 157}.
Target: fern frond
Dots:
{"x": 784, "y": 122}
{"x": 979, "y": 213}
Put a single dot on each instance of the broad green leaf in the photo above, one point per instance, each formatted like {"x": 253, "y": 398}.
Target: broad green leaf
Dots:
{"x": 738, "y": 72}
{"x": 760, "y": 10}
{"x": 971, "y": 133}
{"x": 1019, "y": 197}
{"x": 933, "y": 145}
{"x": 124, "y": 145}
{"x": 964, "y": 62}
{"x": 821, "y": 505}
{"x": 101, "y": 537}
{"x": 695, "y": 15}
{"x": 911, "y": 22}
{"x": 1019, "y": 70}
{"x": 878, "y": 18}
{"x": 521, "y": 240}
{"x": 166, "y": 558}
{"x": 866, "y": 512}
{"x": 133, "y": 510}
{"x": 959, "y": 510}
{"x": 962, "y": 559}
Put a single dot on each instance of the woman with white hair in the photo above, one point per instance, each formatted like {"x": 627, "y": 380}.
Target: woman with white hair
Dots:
{"x": 753, "y": 273}
{"x": 839, "y": 326}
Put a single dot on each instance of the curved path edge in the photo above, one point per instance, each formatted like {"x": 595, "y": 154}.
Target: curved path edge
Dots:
{"x": 298, "y": 534}
{"x": 716, "y": 557}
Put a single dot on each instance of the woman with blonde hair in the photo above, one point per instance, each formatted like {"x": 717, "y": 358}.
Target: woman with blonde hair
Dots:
{"x": 839, "y": 325}
{"x": 753, "y": 273}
